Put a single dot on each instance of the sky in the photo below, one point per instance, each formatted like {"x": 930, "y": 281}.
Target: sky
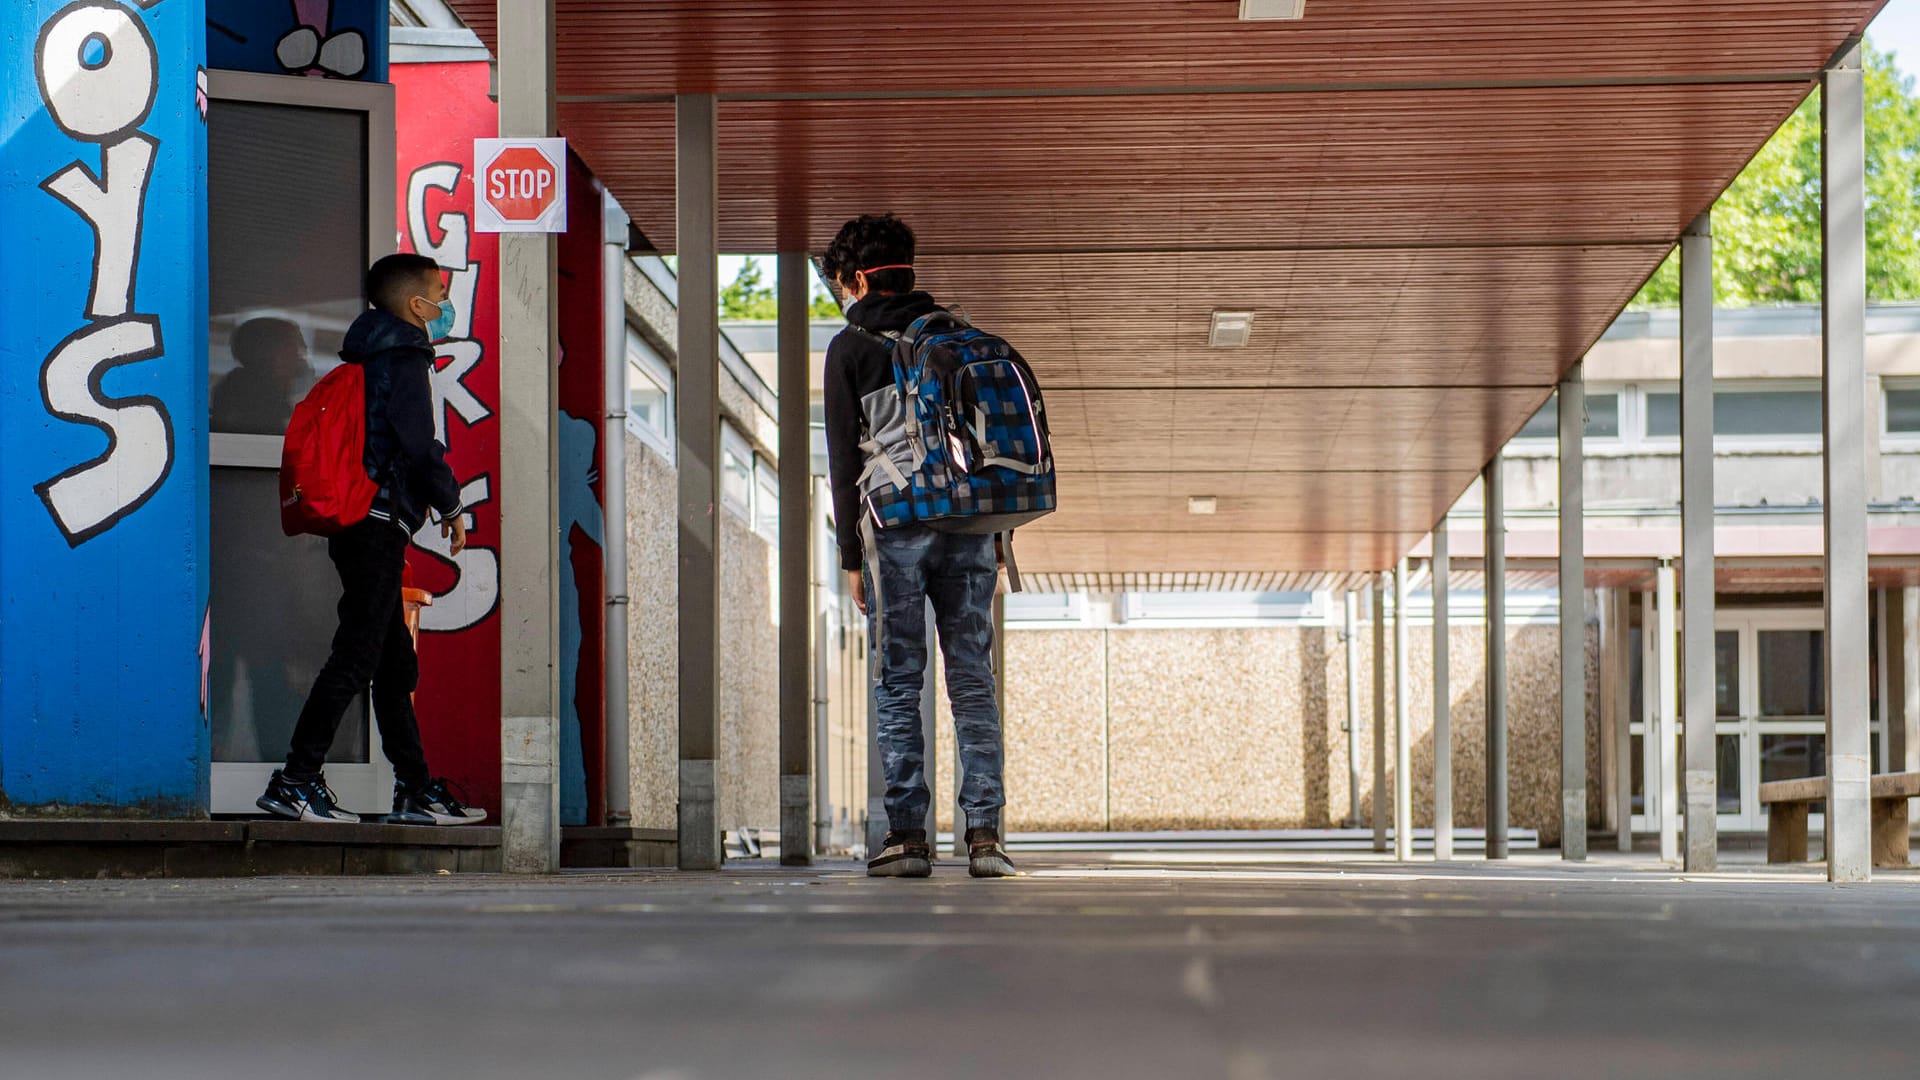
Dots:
{"x": 1898, "y": 30}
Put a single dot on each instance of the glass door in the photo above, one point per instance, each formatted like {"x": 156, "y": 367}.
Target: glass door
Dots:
{"x": 300, "y": 196}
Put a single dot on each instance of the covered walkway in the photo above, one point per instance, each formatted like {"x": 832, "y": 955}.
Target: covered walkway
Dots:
{"x": 1114, "y": 967}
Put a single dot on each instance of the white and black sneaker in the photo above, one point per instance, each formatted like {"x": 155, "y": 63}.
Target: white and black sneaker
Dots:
{"x": 431, "y": 804}
{"x": 905, "y": 853}
{"x": 303, "y": 800}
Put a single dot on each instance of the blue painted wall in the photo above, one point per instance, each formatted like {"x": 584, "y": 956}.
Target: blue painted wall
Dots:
{"x": 103, "y": 403}
{"x": 334, "y": 39}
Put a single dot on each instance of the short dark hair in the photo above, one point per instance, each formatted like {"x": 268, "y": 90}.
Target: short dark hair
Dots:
{"x": 265, "y": 339}
{"x": 867, "y": 241}
{"x": 394, "y": 278}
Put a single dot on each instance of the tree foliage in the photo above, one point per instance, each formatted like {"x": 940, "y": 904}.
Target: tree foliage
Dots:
{"x": 1766, "y": 227}
{"x": 748, "y": 296}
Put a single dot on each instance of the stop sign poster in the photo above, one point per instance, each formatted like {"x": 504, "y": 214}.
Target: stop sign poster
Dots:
{"x": 522, "y": 185}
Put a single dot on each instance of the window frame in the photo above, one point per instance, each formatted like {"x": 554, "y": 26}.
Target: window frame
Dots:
{"x": 1625, "y": 415}
{"x": 1800, "y": 442}
{"x": 734, "y": 444}
{"x": 1902, "y": 440}
{"x": 648, "y": 364}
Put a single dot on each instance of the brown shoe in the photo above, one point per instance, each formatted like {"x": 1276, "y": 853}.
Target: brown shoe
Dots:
{"x": 986, "y": 858}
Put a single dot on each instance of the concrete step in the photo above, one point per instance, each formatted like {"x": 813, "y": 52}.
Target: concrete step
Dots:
{"x": 82, "y": 848}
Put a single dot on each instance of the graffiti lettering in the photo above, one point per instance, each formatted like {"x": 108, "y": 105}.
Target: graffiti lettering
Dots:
{"x": 99, "y": 77}
{"x": 476, "y": 587}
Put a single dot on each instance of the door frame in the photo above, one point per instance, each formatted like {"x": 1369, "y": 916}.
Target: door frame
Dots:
{"x": 236, "y": 784}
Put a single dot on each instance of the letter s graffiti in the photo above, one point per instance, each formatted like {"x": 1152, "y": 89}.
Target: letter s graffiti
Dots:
{"x": 99, "y": 77}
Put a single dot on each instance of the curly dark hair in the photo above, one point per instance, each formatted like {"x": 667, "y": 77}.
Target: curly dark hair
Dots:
{"x": 871, "y": 240}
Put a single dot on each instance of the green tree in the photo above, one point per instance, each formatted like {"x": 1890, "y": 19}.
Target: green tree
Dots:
{"x": 1766, "y": 227}
{"x": 748, "y": 296}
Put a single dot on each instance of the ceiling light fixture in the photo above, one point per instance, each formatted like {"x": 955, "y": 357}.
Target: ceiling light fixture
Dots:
{"x": 1230, "y": 329}
{"x": 1260, "y": 10}
{"x": 1202, "y": 505}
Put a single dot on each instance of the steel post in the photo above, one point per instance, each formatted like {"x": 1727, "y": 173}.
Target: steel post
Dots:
{"x": 1496, "y": 574}
{"x": 1573, "y": 618}
{"x": 1402, "y": 724}
{"x": 796, "y": 564}
{"x": 1442, "y": 702}
{"x": 696, "y": 128}
{"x": 1696, "y": 543}
{"x": 529, "y": 599}
{"x": 1843, "y": 390}
{"x": 1352, "y": 639}
{"x": 1666, "y": 651}
{"x": 619, "y": 739}
{"x": 1380, "y": 808}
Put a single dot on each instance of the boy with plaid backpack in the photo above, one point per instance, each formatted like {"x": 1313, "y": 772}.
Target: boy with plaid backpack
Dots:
{"x": 937, "y": 448}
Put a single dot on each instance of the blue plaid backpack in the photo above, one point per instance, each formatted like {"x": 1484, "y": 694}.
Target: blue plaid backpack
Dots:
{"x": 968, "y": 451}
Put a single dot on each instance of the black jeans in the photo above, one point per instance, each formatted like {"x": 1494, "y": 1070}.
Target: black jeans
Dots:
{"x": 372, "y": 645}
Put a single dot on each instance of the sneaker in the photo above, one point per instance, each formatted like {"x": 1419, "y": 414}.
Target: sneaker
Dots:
{"x": 303, "y": 800}
{"x": 905, "y": 854}
{"x": 985, "y": 855}
{"x": 432, "y": 804}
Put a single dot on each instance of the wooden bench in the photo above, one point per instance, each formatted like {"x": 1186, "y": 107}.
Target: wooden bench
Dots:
{"x": 1788, "y": 801}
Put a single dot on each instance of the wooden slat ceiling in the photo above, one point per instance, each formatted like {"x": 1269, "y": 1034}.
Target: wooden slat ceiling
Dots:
{"x": 1432, "y": 209}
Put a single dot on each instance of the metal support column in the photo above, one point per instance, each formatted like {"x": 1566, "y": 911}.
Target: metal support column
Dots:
{"x": 1905, "y": 755}
{"x": 1667, "y": 699}
{"x": 1380, "y": 809}
{"x": 619, "y": 777}
{"x": 1352, "y": 639}
{"x": 930, "y": 727}
{"x": 1843, "y": 305}
{"x": 1573, "y": 618}
{"x": 1000, "y": 707}
{"x": 529, "y": 600}
{"x": 796, "y": 562}
{"x": 1402, "y": 725}
{"x": 1616, "y": 688}
{"x": 1496, "y": 573}
{"x": 1442, "y": 702}
{"x": 1699, "y": 712}
{"x": 695, "y": 125}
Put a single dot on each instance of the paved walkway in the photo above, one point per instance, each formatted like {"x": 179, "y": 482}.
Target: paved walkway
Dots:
{"x": 1240, "y": 968}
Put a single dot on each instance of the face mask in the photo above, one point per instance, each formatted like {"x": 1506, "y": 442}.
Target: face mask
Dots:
{"x": 441, "y": 327}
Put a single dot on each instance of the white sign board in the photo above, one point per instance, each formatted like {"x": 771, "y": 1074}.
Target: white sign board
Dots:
{"x": 520, "y": 185}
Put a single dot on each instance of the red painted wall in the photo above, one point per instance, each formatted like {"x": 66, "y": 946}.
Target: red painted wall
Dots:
{"x": 439, "y": 110}
{"x": 583, "y": 396}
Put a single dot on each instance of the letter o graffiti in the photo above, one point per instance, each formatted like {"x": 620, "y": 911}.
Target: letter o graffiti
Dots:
{"x": 97, "y": 70}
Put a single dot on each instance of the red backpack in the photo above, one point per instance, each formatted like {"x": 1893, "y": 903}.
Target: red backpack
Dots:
{"x": 324, "y": 486}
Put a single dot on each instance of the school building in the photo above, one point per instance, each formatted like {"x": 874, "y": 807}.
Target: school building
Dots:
{"x": 645, "y": 654}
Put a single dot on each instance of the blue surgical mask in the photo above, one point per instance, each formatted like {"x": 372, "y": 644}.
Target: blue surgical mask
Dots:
{"x": 442, "y": 327}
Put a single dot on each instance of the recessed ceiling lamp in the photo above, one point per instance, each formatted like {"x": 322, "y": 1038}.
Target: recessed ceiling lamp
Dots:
{"x": 1230, "y": 329}
{"x": 1202, "y": 504}
{"x": 1255, "y": 10}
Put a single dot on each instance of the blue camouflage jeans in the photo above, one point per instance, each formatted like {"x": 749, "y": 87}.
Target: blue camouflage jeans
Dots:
{"x": 911, "y": 564}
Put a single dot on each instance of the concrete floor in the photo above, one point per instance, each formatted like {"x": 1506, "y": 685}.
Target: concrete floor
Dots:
{"x": 1238, "y": 967}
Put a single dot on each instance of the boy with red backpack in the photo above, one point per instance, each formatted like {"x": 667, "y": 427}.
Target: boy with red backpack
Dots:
{"x": 389, "y": 351}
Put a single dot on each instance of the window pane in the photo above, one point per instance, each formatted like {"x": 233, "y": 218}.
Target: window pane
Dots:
{"x": 647, "y": 402}
{"x": 1638, "y": 771}
{"x": 1792, "y": 756}
{"x": 1545, "y": 424}
{"x": 766, "y": 512}
{"x": 1766, "y": 412}
{"x": 284, "y": 286}
{"x": 1726, "y": 682}
{"x": 736, "y": 474}
{"x": 1791, "y": 667}
{"x": 1727, "y": 752}
{"x": 1663, "y": 414}
{"x": 1603, "y": 416}
{"x": 1903, "y": 411}
{"x": 1636, "y": 685}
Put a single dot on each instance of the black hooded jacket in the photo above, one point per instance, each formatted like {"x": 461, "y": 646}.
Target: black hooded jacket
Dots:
{"x": 402, "y": 455}
{"x": 857, "y": 365}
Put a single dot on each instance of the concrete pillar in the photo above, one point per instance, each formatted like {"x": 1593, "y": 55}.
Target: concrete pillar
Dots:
{"x": 1496, "y": 573}
{"x": 1380, "y": 808}
{"x": 1573, "y": 618}
{"x": 1903, "y": 715}
{"x": 529, "y": 571}
{"x": 1352, "y": 639}
{"x": 1442, "y": 702}
{"x": 697, "y": 199}
{"x": 1843, "y": 374}
{"x": 1402, "y": 727}
{"x": 1696, "y": 544}
{"x": 1666, "y": 715}
{"x": 614, "y": 439}
{"x": 796, "y": 563}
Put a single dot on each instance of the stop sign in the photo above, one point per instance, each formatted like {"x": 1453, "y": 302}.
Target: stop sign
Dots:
{"x": 522, "y": 185}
